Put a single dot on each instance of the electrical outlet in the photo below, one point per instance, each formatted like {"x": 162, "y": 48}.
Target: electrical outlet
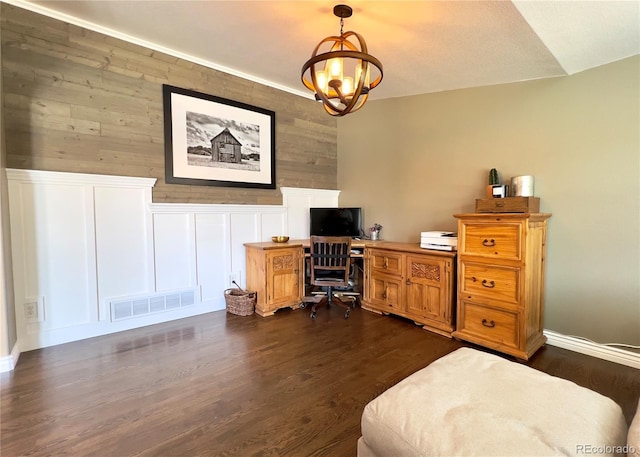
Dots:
{"x": 234, "y": 276}
{"x": 31, "y": 311}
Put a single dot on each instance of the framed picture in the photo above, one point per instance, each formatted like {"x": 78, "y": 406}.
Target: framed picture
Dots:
{"x": 212, "y": 141}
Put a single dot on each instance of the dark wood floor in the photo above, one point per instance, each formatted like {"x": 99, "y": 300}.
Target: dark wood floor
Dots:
{"x": 224, "y": 385}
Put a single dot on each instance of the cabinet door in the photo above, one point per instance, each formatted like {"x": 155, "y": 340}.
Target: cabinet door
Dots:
{"x": 283, "y": 277}
{"x": 385, "y": 292}
{"x": 424, "y": 287}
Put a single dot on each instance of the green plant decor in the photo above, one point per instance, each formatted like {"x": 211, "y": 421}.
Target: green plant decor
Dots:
{"x": 493, "y": 177}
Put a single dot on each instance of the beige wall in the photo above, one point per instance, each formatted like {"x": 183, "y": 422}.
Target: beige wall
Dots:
{"x": 413, "y": 162}
{"x": 80, "y": 101}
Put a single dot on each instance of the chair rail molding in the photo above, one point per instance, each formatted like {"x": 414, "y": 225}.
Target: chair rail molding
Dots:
{"x": 80, "y": 179}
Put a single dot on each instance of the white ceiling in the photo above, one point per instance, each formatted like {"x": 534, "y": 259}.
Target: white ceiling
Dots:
{"x": 425, "y": 46}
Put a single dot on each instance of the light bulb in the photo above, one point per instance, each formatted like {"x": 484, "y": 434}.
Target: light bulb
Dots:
{"x": 366, "y": 76}
{"x": 335, "y": 69}
{"x": 347, "y": 86}
{"x": 321, "y": 78}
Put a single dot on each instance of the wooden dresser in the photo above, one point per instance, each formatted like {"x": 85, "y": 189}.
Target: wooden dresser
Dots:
{"x": 501, "y": 263}
{"x": 415, "y": 283}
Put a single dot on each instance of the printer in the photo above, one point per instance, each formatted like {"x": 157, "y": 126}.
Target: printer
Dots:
{"x": 442, "y": 241}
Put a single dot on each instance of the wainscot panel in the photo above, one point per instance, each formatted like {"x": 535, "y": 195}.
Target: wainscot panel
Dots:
{"x": 93, "y": 255}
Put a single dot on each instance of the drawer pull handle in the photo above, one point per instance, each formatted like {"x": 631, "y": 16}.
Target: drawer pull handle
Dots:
{"x": 487, "y": 323}
{"x": 488, "y": 284}
{"x": 408, "y": 283}
{"x": 489, "y": 243}
{"x": 385, "y": 266}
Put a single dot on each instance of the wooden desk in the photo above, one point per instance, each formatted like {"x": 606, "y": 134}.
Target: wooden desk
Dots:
{"x": 399, "y": 278}
{"x": 276, "y": 272}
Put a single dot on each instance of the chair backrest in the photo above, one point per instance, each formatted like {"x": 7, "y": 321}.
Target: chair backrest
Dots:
{"x": 330, "y": 260}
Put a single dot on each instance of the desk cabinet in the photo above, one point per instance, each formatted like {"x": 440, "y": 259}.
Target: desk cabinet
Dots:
{"x": 384, "y": 290}
{"x": 411, "y": 282}
{"x": 276, "y": 273}
{"x": 501, "y": 281}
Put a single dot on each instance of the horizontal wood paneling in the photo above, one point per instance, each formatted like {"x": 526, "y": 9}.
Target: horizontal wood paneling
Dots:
{"x": 80, "y": 101}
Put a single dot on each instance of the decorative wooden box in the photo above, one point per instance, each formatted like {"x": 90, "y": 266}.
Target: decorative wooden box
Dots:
{"x": 508, "y": 205}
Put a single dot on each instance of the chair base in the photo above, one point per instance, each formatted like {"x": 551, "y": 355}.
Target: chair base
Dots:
{"x": 328, "y": 298}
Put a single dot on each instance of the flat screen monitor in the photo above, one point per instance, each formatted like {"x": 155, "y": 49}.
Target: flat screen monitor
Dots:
{"x": 335, "y": 221}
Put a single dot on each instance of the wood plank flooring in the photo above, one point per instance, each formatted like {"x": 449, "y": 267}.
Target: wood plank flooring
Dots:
{"x": 225, "y": 385}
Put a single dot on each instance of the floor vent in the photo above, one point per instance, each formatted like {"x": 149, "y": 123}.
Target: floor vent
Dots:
{"x": 141, "y": 306}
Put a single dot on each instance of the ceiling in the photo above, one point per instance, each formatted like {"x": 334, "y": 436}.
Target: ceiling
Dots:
{"x": 425, "y": 46}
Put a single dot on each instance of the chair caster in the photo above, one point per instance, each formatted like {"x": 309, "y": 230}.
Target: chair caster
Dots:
{"x": 313, "y": 315}
{"x": 346, "y": 313}
{"x": 303, "y": 305}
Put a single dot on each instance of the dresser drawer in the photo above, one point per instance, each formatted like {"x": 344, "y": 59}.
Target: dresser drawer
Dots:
{"x": 490, "y": 281}
{"x": 490, "y": 324}
{"x": 498, "y": 240}
{"x": 385, "y": 262}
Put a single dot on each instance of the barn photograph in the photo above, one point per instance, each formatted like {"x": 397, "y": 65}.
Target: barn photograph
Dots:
{"x": 222, "y": 143}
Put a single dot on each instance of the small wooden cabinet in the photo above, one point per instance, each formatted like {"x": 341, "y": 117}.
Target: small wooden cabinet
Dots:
{"x": 276, "y": 273}
{"x": 383, "y": 279}
{"x": 415, "y": 283}
{"x": 501, "y": 281}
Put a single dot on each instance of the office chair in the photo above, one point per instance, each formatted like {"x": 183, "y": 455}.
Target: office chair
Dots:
{"x": 329, "y": 262}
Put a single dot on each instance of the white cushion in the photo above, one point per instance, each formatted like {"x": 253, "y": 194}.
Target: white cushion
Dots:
{"x": 633, "y": 438}
{"x": 472, "y": 403}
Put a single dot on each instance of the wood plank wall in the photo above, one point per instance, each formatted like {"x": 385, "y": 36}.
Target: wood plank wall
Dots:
{"x": 79, "y": 101}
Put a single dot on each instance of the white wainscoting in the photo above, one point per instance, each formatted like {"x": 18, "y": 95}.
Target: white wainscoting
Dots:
{"x": 202, "y": 245}
{"x": 298, "y": 201}
{"x": 82, "y": 243}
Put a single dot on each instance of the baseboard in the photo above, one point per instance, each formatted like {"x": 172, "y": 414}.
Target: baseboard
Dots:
{"x": 600, "y": 351}
{"x": 8, "y": 363}
{"x": 54, "y": 337}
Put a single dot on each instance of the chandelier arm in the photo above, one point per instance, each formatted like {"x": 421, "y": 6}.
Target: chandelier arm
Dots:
{"x": 341, "y": 96}
{"x": 325, "y": 99}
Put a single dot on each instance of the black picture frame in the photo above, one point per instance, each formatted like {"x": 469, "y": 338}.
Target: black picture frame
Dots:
{"x": 213, "y": 141}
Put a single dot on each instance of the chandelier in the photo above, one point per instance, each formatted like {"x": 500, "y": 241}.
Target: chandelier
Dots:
{"x": 340, "y": 76}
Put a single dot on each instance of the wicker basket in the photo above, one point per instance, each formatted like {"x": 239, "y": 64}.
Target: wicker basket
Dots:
{"x": 240, "y": 302}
